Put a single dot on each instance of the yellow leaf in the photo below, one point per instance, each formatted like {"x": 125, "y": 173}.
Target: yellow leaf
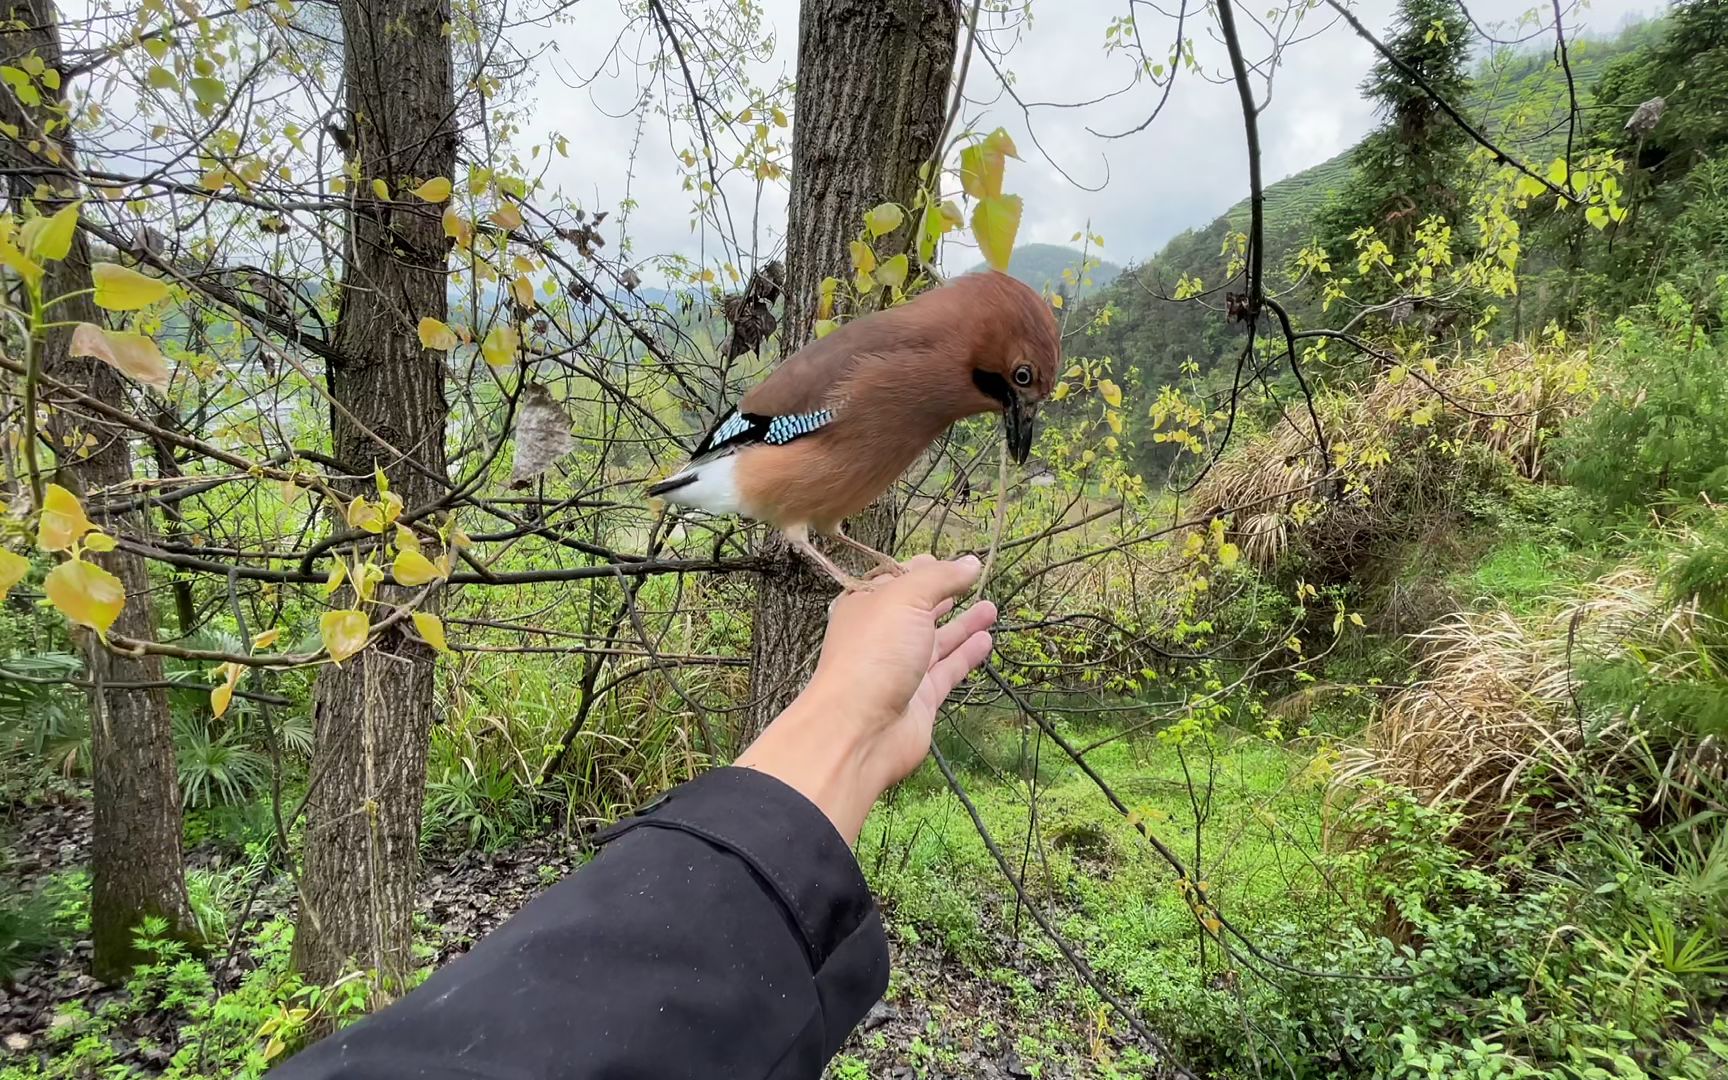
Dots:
{"x": 52, "y": 239}
{"x": 380, "y": 188}
{"x": 334, "y": 580}
{"x": 1060, "y": 392}
{"x": 1114, "y": 419}
{"x": 995, "y": 221}
{"x": 893, "y": 272}
{"x": 952, "y": 218}
{"x": 506, "y": 216}
{"x": 1110, "y": 392}
{"x": 366, "y": 577}
{"x": 412, "y": 568}
{"x": 344, "y": 633}
{"x": 1228, "y": 554}
{"x": 434, "y": 334}
{"x": 13, "y": 567}
{"x": 1000, "y": 142}
{"x": 63, "y": 520}
{"x": 981, "y": 171}
{"x": 863, "y": 258}
{"x": 267, "y": 638}
{"x": 365, "y": 515}
{"x": 220, "y": 696}
{"x": 130, "y": 354}
{"x": 435, "y": 190}
{"x": 86, "y": 594}
{"x": 1056, "y": 301}
{"x": 391, "y": 506}
{"x": 1356, "y": 618}
{"x": 119, "y": 288}
{"x": 501, "y": 345}
{"x": 99, "y": 541}
{"x": 523, "y": 290}
{"x": 883, "y": 218}
{"x": 406, "y": 540}
{"x": 457, "y": 227}
{"x": 431, "y": 627}
{"x": 824, "y": 327}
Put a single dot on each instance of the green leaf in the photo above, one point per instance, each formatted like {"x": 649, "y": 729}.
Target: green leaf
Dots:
{"x": 893, "y": 272}
{"x": 980, "y": 171}
{"x": 995, "y": 222}
{"x": 981, "y": 164}
{"x": 52, "y": 240}
{"x": 209, "y": 92}
{"x": 160, "y": 78}
{"x": 884, "y": 219}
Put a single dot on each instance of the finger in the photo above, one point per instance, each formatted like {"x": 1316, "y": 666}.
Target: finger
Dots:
{"x": 944, "y": 608}
{"x": 930, "y": 582}
{"x": 980, "y": 616}
{"x": 946, "y": 673}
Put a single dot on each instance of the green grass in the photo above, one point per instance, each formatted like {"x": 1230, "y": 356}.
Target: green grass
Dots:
{"x": 1109, "y": 892}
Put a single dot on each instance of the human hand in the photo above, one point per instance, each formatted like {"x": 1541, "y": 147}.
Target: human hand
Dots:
{"x": 864, "y": 722}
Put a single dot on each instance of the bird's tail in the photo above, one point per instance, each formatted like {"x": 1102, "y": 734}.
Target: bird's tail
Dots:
{"x": 671, "y": 483}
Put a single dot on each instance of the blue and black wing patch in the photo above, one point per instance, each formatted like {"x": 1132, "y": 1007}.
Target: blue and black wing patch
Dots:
{"x": 738, "y": 429}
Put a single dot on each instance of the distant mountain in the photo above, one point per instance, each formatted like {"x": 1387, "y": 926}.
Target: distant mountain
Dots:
{"x": 1041, "y": 266}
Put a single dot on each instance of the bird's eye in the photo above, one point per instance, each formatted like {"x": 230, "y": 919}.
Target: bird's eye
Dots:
{"x": 1023, "y": 376}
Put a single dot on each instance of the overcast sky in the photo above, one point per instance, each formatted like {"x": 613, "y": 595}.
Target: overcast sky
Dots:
{"x": 1180, "y": 172}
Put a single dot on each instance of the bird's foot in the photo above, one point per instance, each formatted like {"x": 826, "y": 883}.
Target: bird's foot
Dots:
{"x": 886, "y": 564}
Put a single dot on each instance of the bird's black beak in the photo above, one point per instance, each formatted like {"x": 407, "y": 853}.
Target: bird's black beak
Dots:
{"x": 1018, "y": 423}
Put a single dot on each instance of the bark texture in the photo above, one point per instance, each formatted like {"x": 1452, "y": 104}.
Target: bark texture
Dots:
{"x": 374, "y": 712}
{"x": 873, "y": 79}
{"x": 136, "y": 865}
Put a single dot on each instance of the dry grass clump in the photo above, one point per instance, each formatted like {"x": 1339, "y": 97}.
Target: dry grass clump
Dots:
{"x": 1395, "y": 453}
{"x": 1497, "y": 728}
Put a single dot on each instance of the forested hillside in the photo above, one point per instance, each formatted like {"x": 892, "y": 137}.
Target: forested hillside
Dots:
{"x": 1357, "y": 694}
{"x": 1518, "y": 98}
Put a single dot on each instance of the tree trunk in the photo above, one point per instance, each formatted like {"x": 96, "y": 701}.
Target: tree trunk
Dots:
{"x": 136, "y": 868}
{"x": 873, "y": 80}
{"x": 374, "y": 712}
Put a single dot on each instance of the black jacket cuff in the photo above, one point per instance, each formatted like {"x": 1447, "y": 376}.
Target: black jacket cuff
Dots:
{"x": 789, "y": 843}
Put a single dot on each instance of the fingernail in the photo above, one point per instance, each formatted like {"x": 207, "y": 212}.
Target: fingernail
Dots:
{"x": 969, "y": 561}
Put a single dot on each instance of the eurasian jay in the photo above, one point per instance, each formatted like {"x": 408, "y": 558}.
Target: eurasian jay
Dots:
{"x": 835, "y": 425}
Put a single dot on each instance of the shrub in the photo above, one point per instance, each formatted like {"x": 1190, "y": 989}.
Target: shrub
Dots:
{"x": 1659, "y": 435}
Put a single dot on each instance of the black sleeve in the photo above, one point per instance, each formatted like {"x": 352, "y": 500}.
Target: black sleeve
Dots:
{"x": 725, "y": 931}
